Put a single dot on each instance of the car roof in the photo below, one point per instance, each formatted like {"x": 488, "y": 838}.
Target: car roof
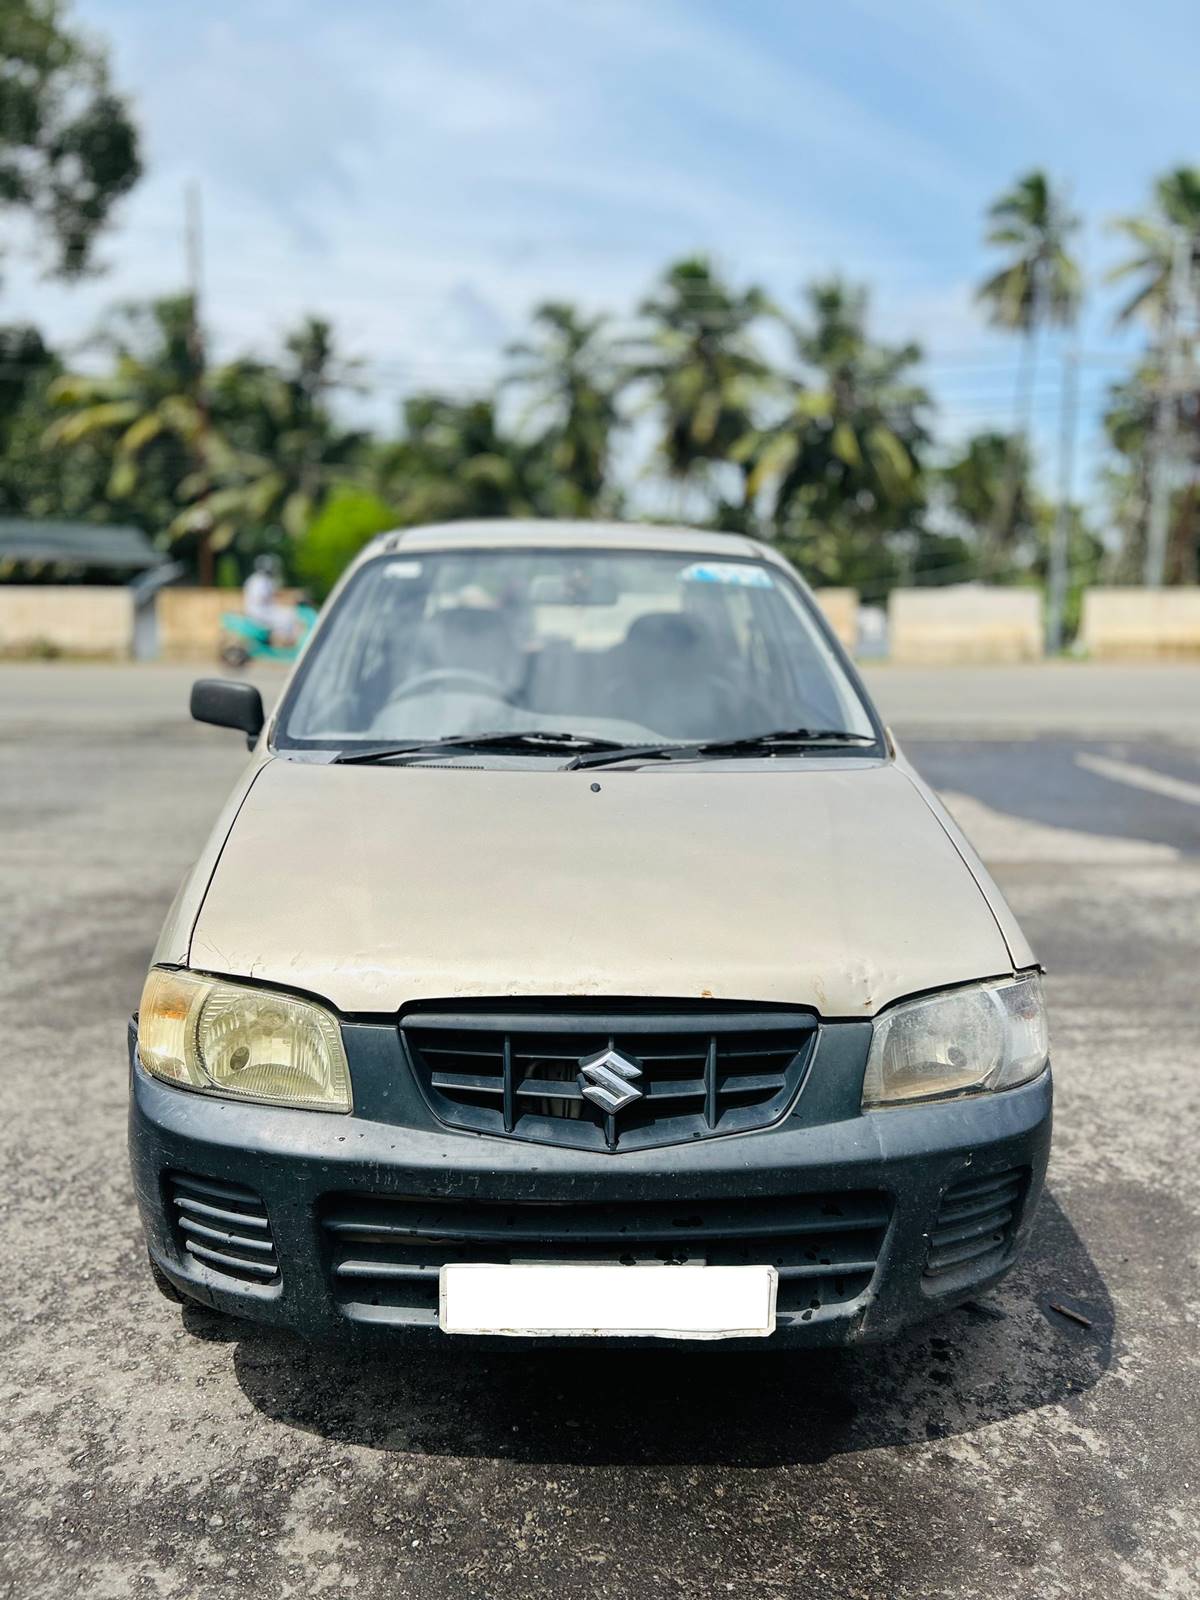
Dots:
{"x": 520, "y": 532}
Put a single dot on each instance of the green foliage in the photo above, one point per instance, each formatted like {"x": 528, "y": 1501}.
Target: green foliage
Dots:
{"x": 827, "y": 452}
{"x": 1174, "y": 207}
{"x": 148, "y": 416}
{"x": 68, "y": 148}
{"x": 570, "y": 375}
{"x": 827, "y": 456}
{"x": 229, "y": 571}
{"x": 1040, "y": 282}
{"x": 349, "y": 519}
{"x": 1154, "y": 237}
{"x": 455, "y": 461}
{"x": 244, "y": 454}
{"x": 283, "y": 448}
{"x": 987, "y": 488}
{"x": 34, "y": 482}
{"x": 940, "y": 558}
{"x": 1039, "y": 285}
{"x": 697, "y": 359}
{"x": 840, "y": 468}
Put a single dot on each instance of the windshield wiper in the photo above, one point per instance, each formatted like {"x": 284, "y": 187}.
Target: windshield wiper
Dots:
{"x": 516, "y": 739}
{"x": 773, "y": 743}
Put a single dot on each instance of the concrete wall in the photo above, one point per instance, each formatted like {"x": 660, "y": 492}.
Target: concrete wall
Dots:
{"x": 1140, "y": 622}
{"x": 65, "y": 619}
{"x": 189, "y": 621}
{"x": 964, "y": 623}
{"x": 841, "y": 611}
{"x": 927, "y": 626}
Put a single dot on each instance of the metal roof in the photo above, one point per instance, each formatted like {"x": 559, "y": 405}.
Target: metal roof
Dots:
{"x": 76, "y": 544}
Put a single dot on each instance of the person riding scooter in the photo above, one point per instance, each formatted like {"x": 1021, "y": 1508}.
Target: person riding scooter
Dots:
{"x": 262, "y": 606}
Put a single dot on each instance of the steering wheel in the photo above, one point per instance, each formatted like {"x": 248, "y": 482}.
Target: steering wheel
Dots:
{"x": 724, "y": 692}
{"x": 443, "y": 677}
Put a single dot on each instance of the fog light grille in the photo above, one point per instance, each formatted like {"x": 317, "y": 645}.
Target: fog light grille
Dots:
{"x": 224, "y": 1226}
{"x": 975, "y": 1223}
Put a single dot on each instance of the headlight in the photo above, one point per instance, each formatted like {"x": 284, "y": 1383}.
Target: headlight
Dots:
{"x": 250, "y": 1044}
{"x": 967, "y": 1041}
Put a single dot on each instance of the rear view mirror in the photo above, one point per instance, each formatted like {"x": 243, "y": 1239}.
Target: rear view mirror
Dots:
{"x": 229, "y": 705}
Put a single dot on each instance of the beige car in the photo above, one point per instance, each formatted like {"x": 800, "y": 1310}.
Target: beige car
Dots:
{"x": 578, "y": 957}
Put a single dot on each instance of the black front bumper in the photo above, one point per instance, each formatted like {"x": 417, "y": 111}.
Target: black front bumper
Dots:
{"x": 878, "y": 1220}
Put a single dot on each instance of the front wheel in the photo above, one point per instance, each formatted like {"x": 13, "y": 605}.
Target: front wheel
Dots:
{"x": 234, "y": 655}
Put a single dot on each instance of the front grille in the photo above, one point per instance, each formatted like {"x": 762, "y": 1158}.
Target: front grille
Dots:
{"x": 385, "y": 1254}
{"x": 701, "y": 1071}
{"x": 975, "y": 1223}
{"x": 224, "y": 1225}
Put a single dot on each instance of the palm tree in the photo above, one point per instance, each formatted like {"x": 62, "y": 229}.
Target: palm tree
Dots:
{"x": 244, "y": 452}
{"x": 701, "y": 364}
{"x": 1175, "y": 208}
{"x": 842, "y": 465}
{"x": 454, "y": 462}
{"x": 1166, "y": 250}
{"x": 152, "y": 407}
{"x": 1040, "y": 283}
{"x": 1130, "y": 421}
{"x": 571, "y": 376}
{"x": 988, "y": 490}
{"x": 154, "y": 392}
{"x": 284, "y": 448}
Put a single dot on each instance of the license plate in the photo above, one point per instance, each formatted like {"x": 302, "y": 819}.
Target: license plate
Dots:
{"x": 599, "y": 1300}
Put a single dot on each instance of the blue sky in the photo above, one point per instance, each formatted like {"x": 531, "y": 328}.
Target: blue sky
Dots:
{"x": 424, "y": 172}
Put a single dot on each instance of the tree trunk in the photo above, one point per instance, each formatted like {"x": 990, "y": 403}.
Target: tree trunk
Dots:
{"x": 1184, "y": 548}
{"x": 205, "y": 573}
{"x": 1026, "y": 374}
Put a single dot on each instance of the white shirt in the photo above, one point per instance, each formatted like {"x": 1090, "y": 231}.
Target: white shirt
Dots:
{"x": 258, "y": 597}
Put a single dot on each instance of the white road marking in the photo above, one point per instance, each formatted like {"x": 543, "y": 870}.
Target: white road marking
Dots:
{"x": 1002, "y": 839}
{"x": 1141, "y": 778}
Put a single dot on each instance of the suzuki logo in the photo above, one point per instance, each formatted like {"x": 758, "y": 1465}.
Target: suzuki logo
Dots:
{"x": 606, "y": 1080}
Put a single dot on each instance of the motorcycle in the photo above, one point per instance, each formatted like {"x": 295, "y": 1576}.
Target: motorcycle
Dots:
{"x": 243, "y": 641}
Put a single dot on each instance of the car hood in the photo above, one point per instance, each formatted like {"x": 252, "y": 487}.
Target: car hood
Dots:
{"x": 829, "y": 884}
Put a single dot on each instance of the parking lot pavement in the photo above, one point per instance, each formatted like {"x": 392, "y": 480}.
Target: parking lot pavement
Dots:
{"x": 1006, "y": 1450}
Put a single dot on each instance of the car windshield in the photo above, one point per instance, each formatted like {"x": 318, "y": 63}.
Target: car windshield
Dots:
{"x": 612, "y": 645}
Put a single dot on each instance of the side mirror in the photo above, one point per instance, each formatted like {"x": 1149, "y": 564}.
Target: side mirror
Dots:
{"x": 229, "y": 705}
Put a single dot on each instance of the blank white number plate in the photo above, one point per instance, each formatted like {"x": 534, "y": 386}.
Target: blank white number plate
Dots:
{"x": 603, "y": 1300}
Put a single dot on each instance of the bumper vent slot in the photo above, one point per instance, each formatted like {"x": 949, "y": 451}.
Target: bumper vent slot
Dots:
{"x": 975, "y": 1223}
{"x": 224, "y": 1226}
{"x": 697, "y": 1072}
{"x": 385, "y": 1254}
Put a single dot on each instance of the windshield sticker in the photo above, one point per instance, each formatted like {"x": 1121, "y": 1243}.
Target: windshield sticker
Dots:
{"x": 740, "y": 573}
{"x": 402, "y": 569}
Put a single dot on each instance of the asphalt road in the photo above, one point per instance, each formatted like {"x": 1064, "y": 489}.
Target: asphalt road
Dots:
{"x": 1003, "y": 1451}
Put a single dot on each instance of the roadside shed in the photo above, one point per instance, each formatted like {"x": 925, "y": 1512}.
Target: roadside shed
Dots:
{"x": 78, "y": 588}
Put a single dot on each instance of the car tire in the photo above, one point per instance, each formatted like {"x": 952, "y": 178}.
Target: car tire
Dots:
{"x": 162, "y": 1283}
{"x": 234, "y": 655}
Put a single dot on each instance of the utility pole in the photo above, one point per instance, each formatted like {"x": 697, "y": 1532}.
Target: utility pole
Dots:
{"x": 194, "y": 257}
{"x": 1162, "y": 446}
{"x": 194, "y": 248}
{"x": 1018, "y": 456}
{"x": 1056, "y": 593}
